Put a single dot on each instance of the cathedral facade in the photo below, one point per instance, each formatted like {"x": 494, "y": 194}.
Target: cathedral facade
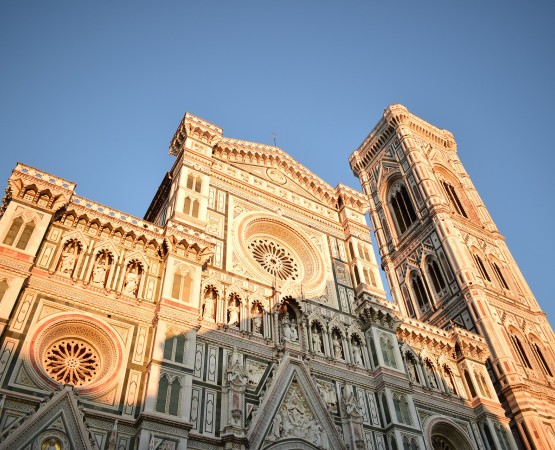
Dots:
{"x": 246, "y": 309}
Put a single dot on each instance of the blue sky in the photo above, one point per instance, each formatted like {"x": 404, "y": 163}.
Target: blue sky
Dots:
{"x": 93, "y": 92}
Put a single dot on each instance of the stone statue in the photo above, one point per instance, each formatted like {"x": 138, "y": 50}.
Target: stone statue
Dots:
{"x": 337, "y": 350}
{"x": 286, "y": 326}
{"x": 68, "y": 260}
{"x": 294, "y": 332}
{"x": 257, "y": 321}
{"x": 316, "y": 342}
{"x": 208, "y": 307}
{"x": 131, "y": 282}
{"x": 233, "y": 311}
{"x": 99, "y": 273}
{"x": 357, "y": 355}
{"x": 277, "y": 426}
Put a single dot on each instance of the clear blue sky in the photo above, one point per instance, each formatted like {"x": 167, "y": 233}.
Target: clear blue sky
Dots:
{"x": 93, "y": 92}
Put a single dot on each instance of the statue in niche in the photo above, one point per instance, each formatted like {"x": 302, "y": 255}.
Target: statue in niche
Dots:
{"x": 208, "y": 312}
{"x": 430, "y": 375}
{"x": 100, "y": 269}
{"x": 69, "y": 257}
{"x": 288, "y": 323}
{"x": 316, "y": 340}
{"x": 257, "y": 319}
{"x": 131, "y": 280}
{"x": 411, "y": 367}
{"x": 328, "y": 394}
{"x": 357, "y": 354}
{"x": 233, "y": 312}
{"x": 294, "y": 332}
{"x": 337, "y": 348}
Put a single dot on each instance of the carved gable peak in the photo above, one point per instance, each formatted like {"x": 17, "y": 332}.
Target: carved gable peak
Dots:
{"x": 294, "y": 412}
{"x": 58, "y": 418}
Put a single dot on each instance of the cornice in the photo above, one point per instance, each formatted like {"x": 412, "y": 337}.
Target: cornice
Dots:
{"x": 234, "y": 150}
{"x": 271, "y": 203}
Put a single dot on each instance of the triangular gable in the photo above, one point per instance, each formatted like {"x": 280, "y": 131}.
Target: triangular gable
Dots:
{"x": 279, "y": 177}
{"x": 59, "y": 419}
{"x": 293, "y": 412}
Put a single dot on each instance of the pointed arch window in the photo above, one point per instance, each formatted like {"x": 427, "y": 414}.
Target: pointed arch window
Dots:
{"x": 539, "y": 355}
{"x": 181, "y": 288}
{"x": 435, "y": 275}
{"x": 169, "y": 395}
{"x": 174, "y": 348}
{"x": 402, "y": 409}
{"x": 194, "y": 183}
{"x": 3, "y": 288}
{"x": 521, "y": 352}
{"x": 421, "y": 292}
{"x": 402, "y": 207}
{"x": 19, "y": 233}
{"x": 454, "y": 198}
{"x": 499, "y": 275}
{"x": 470, "y": 384}
{"x": 481, "y": 267}
{"x": 388, "y": 351}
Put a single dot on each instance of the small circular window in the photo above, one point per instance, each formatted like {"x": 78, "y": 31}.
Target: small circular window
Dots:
{"x": 274, "y": 259}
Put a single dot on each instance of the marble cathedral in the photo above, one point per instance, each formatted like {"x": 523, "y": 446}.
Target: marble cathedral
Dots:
{"x": 246, "y": 309}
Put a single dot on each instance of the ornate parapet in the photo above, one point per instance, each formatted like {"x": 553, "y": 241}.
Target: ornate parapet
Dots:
{"x": 197, "y": 129}
{"x": 373, "y": 310}
{"x": 39, "y": 189}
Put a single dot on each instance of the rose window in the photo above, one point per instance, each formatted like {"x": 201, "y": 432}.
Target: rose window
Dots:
{"x": 273, "y": 258}
{"x": 71, "y": 361}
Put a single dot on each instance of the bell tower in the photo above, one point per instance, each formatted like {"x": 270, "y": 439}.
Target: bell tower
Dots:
{"x": 447, "y": 263}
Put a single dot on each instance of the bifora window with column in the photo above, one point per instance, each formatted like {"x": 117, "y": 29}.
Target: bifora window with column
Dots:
{"x": 401, "y": 206}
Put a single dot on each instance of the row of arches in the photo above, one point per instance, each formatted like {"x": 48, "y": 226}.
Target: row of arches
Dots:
{"x": 104, "y": 269}
{"x": 445, "y": 377}
{"x": 494, "y": 267}
{"x": 531, "y": 352}
{"x": 424, "y": 287}
{"x": 106, "y": 231}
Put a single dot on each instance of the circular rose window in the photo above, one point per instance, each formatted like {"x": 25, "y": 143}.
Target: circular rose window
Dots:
{"x": 270, "y": 246}
{"x": 274, "y": 259}
{"x": 75, "y": 350}
{"x": 71, "y": 361}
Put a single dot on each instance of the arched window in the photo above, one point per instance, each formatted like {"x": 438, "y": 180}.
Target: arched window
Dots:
{"x": 168, "y": 396}
{"x": 450, "y": 380}
{"x": 482, "y": 386}
{"x": 3, "y": 288}
{"x": 402, "y": 208}
{"x": 19, "y": 233}
{"x": 163, "y": 387}
{"x": 435, "y": 275}
{"x": 402, "y": 409}
{"x": 194, "y": 183}
{"x": 420, "y": 292}
{"x": 481, "y": 267}
{"x": 470, "y": 385}
{"x": 181, "y": 288}
{"x": 187, "y": 205}
{"x": 408, "y": 302}
{"x": 175, "y": 392}
{"x": 195, "y": 209}
{"x": 499, "y": 275}
{"x": 454, "y": 198}
{"x": 357, "y": 276}
{"x": 539, "y": 355}
{"x": 174, "y": 348}
{"x": 521, "y": 352}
